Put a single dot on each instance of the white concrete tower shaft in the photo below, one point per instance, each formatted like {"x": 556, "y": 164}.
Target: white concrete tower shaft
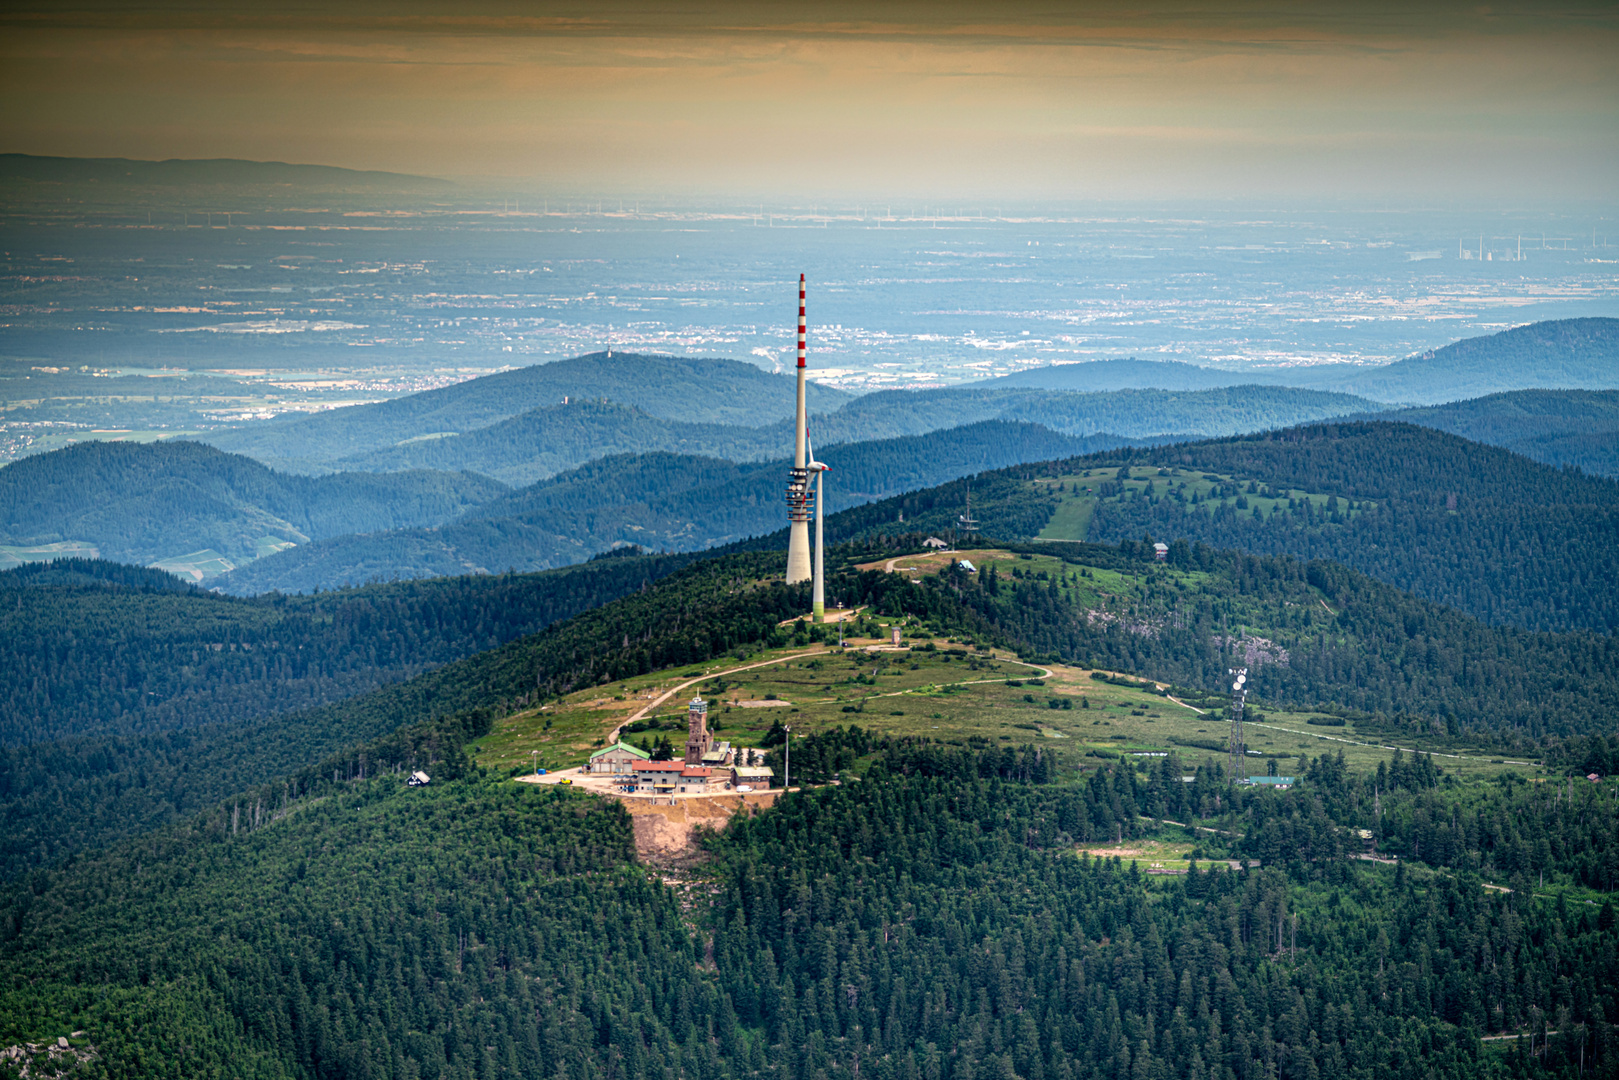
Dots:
{"x": 818, "y": 594}
{"x": 818, "y": 588}
{"x": 798, "y": 488}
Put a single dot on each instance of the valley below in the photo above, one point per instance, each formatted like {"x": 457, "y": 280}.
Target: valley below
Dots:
{"x": 1217, "y": 681}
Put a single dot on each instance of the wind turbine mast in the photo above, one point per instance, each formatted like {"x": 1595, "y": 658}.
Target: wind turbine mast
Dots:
{"x": 799, "y": 496}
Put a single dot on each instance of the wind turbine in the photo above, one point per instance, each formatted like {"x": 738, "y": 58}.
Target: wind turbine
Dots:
{"x": 818, "y": 591}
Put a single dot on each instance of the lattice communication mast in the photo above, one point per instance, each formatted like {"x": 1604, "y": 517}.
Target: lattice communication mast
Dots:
{"x": 1239, "y": 694}
{"x": 966, "y": 521}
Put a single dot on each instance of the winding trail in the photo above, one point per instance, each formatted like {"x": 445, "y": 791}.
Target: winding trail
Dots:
{"x": 1356, "y": 742}
{"x": 1045, "y": 673}
{"x": 672, "y": 691}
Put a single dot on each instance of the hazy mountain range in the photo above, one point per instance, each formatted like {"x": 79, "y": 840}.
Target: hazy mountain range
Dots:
{"x": 1561, "y": 354}
{"x": 26, "y": 175}
{"x": 144, "y": 503}
{"x": 545, "y": 465}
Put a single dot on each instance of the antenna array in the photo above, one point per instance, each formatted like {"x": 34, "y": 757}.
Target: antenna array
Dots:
{"x": 1239, "y": 694}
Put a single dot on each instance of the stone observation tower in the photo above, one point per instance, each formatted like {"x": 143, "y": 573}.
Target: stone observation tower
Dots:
{"x": 698, "y": 740}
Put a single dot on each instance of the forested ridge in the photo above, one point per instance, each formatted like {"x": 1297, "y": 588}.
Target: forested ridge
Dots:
{"x": 95, "y": 647}
{"x": 1218, "y": 411}
{"x": 1504, "y": 539}
{"x": 672, "y": 501}
{"x": 1090, "y": 376}
{"x": 554, "y": 438}
{"x": 1348, "y": 642}
{"x": 59, "y": 797}
{"x": 144, "y": 502}
{"x": 1523, "y": 545}
{"x": 266, "y": 899}
{"x": 1558, "y": 427}
{"x": 1554, "y": 353}
{"x": 929, "y": 920}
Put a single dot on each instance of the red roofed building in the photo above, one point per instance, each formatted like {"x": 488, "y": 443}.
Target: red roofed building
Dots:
{"x": 695, "y": 779}
{"x": 656, "y": 777}
{"x": 677, "y": 778}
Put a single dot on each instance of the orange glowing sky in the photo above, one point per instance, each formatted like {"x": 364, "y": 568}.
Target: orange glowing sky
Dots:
{"x": 1019, "y": 100}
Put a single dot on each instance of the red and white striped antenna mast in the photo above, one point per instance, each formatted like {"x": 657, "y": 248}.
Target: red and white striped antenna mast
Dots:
{"x": 799, "y": 493}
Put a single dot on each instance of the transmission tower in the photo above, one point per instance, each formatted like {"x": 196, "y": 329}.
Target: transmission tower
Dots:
{"x": 968, "y": 523}
{"x": 1239, "y": 693}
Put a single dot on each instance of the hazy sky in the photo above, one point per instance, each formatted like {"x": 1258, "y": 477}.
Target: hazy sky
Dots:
{"x": 876, "y": 101}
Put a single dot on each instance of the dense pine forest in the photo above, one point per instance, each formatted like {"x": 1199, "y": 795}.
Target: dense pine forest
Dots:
{"x": 140, "y": 503}
{"x": 96, "y": 647}
{"x": 1409, "y": 666}
{"x": 255, "y": 892}
{"x": 1502, "y": 538}
{"x": 931, "y": 919}
{"x": 1474, "y": 527}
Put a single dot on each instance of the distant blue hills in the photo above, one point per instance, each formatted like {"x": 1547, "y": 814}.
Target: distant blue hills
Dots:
{"x": 1562, "y": 354}
{"x": 523, "y": 425}
{"x": 549, "y": 464}
{"x": 210, "y": 172}
{"x": 661, "y": 501}
{"x": 1129, "y": 374}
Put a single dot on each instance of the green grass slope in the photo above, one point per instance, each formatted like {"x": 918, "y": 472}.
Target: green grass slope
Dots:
{"x": 1325, "y": 636}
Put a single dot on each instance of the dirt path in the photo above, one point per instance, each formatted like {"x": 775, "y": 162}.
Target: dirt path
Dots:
{"x": 672, "y": 691}
{"x": 1355, "y": 742}
{"x": 1045, "y": 673}
{"x": 1199, "y": 828}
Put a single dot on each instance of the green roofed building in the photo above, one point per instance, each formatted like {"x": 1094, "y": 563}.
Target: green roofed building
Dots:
{"x": 1271, "y": 781}
{"x": 619, "y": 759}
